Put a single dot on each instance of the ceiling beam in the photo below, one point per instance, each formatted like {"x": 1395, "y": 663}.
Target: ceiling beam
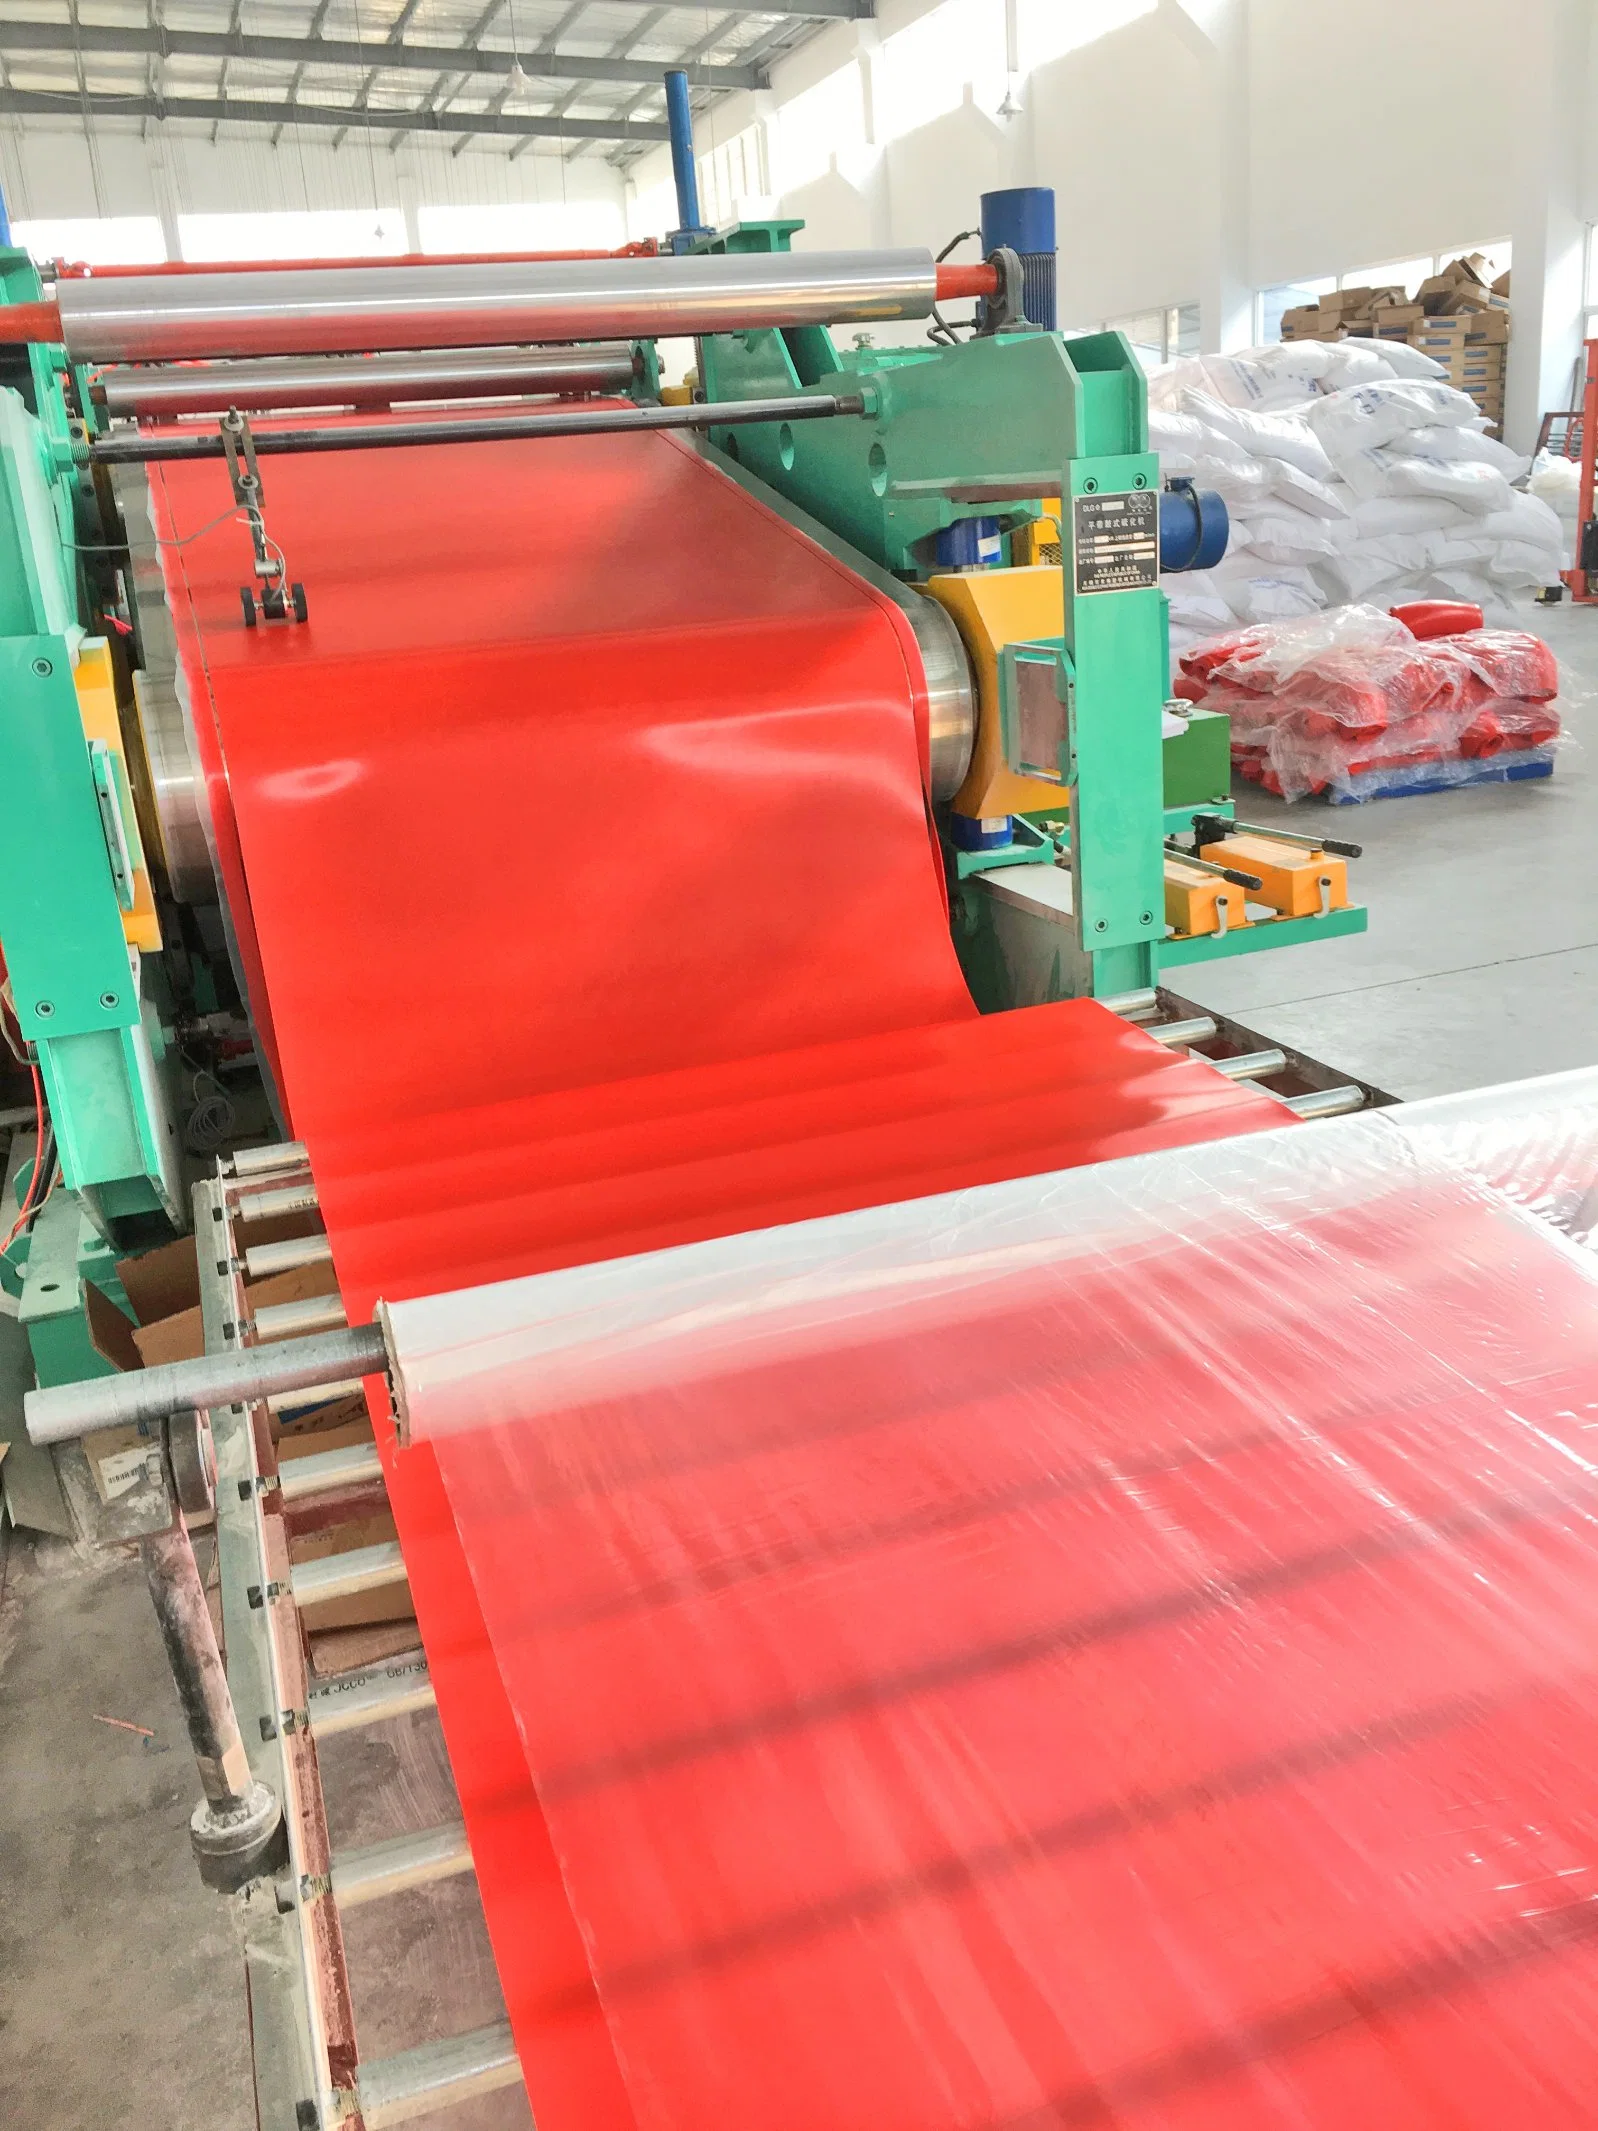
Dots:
{"x": 253, "y": 111}
{"x": 546, "y": 43}
{"x": 224, "y": 45}
{"x": 802, "y": 10}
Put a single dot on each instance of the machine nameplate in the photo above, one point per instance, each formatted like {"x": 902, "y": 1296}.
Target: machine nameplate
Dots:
{"x": 1117, "y": 541}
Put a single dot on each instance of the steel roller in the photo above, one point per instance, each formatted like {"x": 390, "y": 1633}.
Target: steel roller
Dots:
{"x": 369, "y": 381}
{"x": 163, "y": 318}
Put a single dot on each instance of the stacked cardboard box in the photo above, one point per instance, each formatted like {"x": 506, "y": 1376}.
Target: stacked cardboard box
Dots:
{"x": 1340, "y": 312}
{"x": 1472, "y": 347}
{"x": 1457, "y": 317}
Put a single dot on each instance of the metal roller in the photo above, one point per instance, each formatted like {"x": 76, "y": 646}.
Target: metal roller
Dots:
{"x": 951, "y": 694}
{"x": 368, "y": 381}
{"x": 166, "y": 318}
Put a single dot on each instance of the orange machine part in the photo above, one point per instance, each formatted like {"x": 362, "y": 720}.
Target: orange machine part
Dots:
{"x": 589, "y": 878}
{"x": 1290, "y": 877}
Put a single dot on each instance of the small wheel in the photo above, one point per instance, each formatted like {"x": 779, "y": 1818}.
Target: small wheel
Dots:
{"x": 301, "y": 608}
{"x": 273, "y": 604}
{"x": 247, "y": 602}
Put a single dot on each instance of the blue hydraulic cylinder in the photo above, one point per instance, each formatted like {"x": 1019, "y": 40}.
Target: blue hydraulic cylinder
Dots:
{"x": 680, "y": 124}
{"x": 5, "y": 221}
{"x": 1194, "y": 527}
{"x": 1022, "y": 217}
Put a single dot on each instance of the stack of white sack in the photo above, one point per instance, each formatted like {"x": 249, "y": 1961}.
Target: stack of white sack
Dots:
{"x": 1351, "y": 472}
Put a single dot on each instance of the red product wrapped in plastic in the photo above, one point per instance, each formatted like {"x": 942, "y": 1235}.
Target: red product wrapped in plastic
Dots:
{"x": 1318, "y": 704}
{"x": 1114, "y": 1650}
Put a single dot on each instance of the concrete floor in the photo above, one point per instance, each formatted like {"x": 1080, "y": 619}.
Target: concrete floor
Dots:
{"x": 1481, "y": 961}
{"x": 121, "y": 1997}
{"x": 121, "y": 1978}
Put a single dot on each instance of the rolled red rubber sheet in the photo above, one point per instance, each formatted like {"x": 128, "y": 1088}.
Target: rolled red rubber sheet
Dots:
{"x": 579, "y": 848}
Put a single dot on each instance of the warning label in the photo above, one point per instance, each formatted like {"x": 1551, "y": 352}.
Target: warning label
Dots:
{"x": 1117, "y": 541}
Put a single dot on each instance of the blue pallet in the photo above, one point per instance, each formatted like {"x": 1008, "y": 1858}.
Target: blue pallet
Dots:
{"x": 1511, "y": 768}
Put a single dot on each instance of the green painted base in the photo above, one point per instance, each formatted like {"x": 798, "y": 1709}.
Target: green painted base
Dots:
{"x": 1198, "y": 761}
{"x": 65, "y": 1251}
{"x": 1256, "y": 939}
{"x": 1032, "y": 847}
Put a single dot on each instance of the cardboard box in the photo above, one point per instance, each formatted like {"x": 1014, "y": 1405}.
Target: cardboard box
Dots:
{"x": 1304, "y": 319}
{"x": 163, "y": 1289}
{"x": 1462, "y": 286}
{"x": 363, "y": 1609}
{"x": 1359, "y": 303}
{"x": 1484, "y": 328}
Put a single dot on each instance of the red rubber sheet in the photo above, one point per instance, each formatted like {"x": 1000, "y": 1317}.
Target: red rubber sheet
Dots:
{"x": 581, "y": 850}
{"x": 1118, "y": 1655}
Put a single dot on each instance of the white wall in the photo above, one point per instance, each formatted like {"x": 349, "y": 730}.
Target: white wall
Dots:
{"x": 1380, "y": 129}
{"x": 52, "y": 173}
{"x": 1202, "y": 149}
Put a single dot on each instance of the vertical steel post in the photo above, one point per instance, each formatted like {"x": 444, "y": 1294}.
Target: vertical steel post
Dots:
{"x": 237, "y": 1828}
{"x": 680, "y": 122}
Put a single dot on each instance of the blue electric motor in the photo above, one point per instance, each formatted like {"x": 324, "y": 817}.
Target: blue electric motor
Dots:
{"x": 1194, "y": 527}
{"x": 1023, "y": 219}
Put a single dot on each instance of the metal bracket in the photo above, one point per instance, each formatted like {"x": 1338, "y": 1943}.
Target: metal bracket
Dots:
{"x": 1005, "y": 310}
{"x": 279, "y": 601}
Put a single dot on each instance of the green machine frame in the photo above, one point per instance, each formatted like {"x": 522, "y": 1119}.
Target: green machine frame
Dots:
{"x": 992, "y": 426}
{"x": 69, "y": 832}
{"x": 70, "y": 850}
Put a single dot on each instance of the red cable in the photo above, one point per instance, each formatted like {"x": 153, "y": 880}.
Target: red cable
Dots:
{"x": 38, "y": 1161}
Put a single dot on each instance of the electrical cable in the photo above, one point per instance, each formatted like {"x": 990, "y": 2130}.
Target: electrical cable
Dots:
{"x": 211, "y": 1122}
{"x": 142, "y": 546}
{"x": 43, "y": 1155}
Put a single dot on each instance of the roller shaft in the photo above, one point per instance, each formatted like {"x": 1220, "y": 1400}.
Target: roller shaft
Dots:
{"x": 64, "y": 1411}
{"x": 478, "y": 429}
{"x": 367, "y": 381}
{"x": 164, "y": 318}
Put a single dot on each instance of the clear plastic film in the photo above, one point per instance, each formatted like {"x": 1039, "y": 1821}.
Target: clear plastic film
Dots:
{"x": 1114, "y": 1649}
{"x": 1349, "y": 703}
{"x": 1536, "y": 1141}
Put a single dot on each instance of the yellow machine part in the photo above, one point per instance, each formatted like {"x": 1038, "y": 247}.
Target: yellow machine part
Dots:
{"x": 97, "y": 706}
{"x": 1039, "y": 541}
{"x": 992, "y": 608}
{"x": 1295, "y": 882}
{"x": 1200, "y": 902}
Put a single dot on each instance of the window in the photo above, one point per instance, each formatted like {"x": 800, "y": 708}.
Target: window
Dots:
{"x": 732, "y": 180}
{"x": 115, "y": 240}
{"x": 1269, "y": 305}
{"x": 652, "y": 212}
{"x": 1160, "y": 336}
{"x": 523, "y": 226}
{"x": 325, "y": 233}
{"x": 1405, "y": 274}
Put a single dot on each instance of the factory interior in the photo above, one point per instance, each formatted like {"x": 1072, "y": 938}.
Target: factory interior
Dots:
{"x": 799, "y": 1108}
